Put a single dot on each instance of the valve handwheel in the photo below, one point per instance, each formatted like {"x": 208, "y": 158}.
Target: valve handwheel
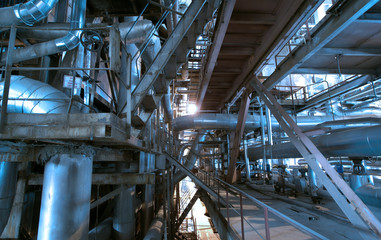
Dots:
{"x": 91, "y": 40}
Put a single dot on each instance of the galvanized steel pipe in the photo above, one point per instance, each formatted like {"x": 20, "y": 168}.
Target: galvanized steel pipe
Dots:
{"x": 8, "y": 180}
{"x": 66, "y": 43}
{"x": 28, "y": 13}
{"x": 359, "y": 142}
{"x": 27, "y": 90}
{"x": 65, "y": 204}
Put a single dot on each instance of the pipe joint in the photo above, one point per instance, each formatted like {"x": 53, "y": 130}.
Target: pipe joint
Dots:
{"x": 70, "y": 41}
{"x": 33, "y": 11}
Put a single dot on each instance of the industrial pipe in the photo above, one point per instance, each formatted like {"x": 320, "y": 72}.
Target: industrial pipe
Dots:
{"x": 156, "y": 230}
{"x": 8, "y": 179}
{"x": 65, "y": 204}
{"x": 192, "y": 156}
{"x": 66, "y": 43}
{"x": 29, "y": 13}
{"x": 166, "y": 102}
{"x": 102, "y": 231}
{"x": 124, "y": 214}
{"x": 34, "y": 97}
{"x": 359, "y": 142}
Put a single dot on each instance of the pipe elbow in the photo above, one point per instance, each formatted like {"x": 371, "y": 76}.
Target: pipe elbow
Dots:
{"x": 34, "y": 10}
{"x": 70, "y": 41}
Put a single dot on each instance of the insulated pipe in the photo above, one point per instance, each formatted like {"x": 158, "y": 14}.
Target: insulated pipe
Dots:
{"x": 124, "y": 214}
{"x": 166, "y": 101}
{"x": 25, "y": 88}
{"x": 65, "y": 204}
{"x": 229, "y": 121}
{"x": 192, "y": 156}
{"x": 102, "y": 231}
{"x": 156, "y": 230}
{"x": 359, "y": 142}
{"x": 28, "y": 13}
{"x": 66, "y": 43}
{"x": 8, "y": 179}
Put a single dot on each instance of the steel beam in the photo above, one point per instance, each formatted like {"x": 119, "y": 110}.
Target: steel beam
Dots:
{"x": 356, "y": 52}
{"x": 167, "y": 50}
{"x": 274, "y": 42}
{"x": 218, "y": 37}
{"x": 7, "y": 78}
{"x": 187, "y": 209}
{"x": 107, "y": 178}
{"x": 335, "y": 92}
{"x": 107, "y": 197}
{"x": 323, "y": 70}
{"x": 242, "y": 115}
{"x": 323, "y": 34}
{"x": 352, "y": 206}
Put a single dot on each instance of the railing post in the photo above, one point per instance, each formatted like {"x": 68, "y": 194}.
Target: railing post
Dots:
{"x": 227, "y": 204}
{"x": 242, "y": 225}
{"x": 267, "y": 223}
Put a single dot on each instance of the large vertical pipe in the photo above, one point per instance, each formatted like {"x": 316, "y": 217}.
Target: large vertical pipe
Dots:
{"x": 8, "y": 179}
{"x": 247, "y": 160}
{"x": 65, "y": 204}
{"x": 124, "y": 214}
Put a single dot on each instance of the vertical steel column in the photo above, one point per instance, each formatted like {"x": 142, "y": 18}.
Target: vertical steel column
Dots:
{"x": 352, "y": 206}
{"x": 65, "y": 204}
{"x": 7, "y": 81}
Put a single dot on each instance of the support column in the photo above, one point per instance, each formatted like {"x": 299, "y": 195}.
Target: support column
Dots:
{"x": 65, "y": 204}
{"x": 245, "y": 102}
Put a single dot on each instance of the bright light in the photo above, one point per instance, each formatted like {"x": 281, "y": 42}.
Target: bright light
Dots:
{"x": 191, "y": 108}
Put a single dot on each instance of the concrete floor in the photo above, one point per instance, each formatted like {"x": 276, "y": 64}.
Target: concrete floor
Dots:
{"x": 325, "y": 218}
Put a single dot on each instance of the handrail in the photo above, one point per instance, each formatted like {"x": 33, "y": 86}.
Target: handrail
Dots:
{"x": 285, "y": 218}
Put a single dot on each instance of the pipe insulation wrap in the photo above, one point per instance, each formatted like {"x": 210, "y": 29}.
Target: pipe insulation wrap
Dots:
{"x": 29, "y": 13}
{"x": 25, "y": 88}
{"x": 8, "y": 180}
{"x": 359, "y": 142}
{"x": 66, "y": 192}
{"x": 66, "y": 43}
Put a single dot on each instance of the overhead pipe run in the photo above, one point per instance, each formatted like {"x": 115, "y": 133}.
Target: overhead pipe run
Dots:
{"x": 359, "y": 142}
{"x": 66, "y": 43}
{"x": 29, "y": 13}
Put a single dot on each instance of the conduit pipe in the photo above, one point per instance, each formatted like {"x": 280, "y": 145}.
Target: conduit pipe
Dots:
{"x": 66, "y": 43}
{"x": 25, "y": 88}
{"x": 359, "y": 142}
{"x": 8, "y": 179}
{"x": 29, "y": 13}
{"x": 166, "y": 102}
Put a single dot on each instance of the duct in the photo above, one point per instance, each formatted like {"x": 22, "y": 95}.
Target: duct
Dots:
{"x": 8, "y": 180}
{"x": 66, "y": 43}
{"x": 192, "y": 156}
{"x": 156, "y": 230}
{"x": 124, "y": 214}
{"x": 25, "y": 88}
{"x": 229, "y": 122}
{"x": 359, "y": 142}
{"x": 28, "y": 13}
{"x": 65, "y": 204}
{"x": 166, "y": 102}
{"x": 350, "y": 123}
{"x": 102, "y": 231}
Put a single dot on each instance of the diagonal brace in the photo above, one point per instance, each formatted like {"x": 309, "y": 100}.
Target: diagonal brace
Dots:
{"x": 352, "y": 206}
{"x": 187, "y": 209}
